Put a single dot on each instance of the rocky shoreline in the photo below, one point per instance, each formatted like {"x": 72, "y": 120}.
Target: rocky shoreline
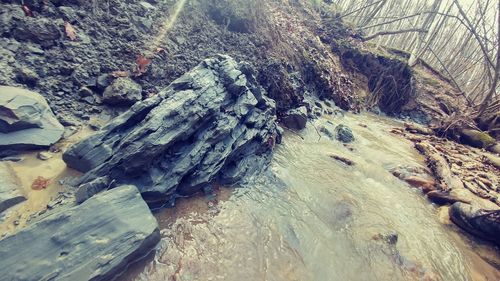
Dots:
{"x": 214, "y": 124}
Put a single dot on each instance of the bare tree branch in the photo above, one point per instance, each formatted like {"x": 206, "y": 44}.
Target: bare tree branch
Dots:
{"x": 474, "y": 32}
{"x": 392, "y": 32}
{"x": 451, "y": 77}
{"x": 362, "y": 8}
{"x": 493, "y": 88}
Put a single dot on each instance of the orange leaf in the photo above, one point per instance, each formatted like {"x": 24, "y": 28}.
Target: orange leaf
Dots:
{"x": 27, "y": 11}
{"x": 142, "y": 65}
{"x": 70, "y": 31}
{"x": 120, "y": 73}
{"x": 40, "y": 183}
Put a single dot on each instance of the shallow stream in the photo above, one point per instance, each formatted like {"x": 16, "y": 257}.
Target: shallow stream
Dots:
{"x": 315, "y": 218}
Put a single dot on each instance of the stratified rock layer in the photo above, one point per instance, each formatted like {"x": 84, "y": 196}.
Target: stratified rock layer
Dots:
{"x": 26, "y": 121}
{"x": 213, "y": 123}
{"x": 92, "y": 241}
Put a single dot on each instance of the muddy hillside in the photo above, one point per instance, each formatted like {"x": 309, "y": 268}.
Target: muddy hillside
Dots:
{"x": 71, "y": 51}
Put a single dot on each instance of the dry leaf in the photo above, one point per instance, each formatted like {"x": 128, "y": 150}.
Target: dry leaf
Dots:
{"x": 160, "y": 50}
{"x": 142, "y": 65}
{"x": 70, "y": 31}
{"x": 120, "y": 73}
{"x": 40, "y": 183}
{"x": 27, "y": 11}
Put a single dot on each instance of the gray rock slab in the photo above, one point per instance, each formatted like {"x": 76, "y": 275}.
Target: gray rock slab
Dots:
{"x": 92, "y": 241}
{"x": 26, "y": 121}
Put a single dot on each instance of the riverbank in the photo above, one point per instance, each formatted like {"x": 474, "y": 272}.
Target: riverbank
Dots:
{"x": 315, "y": 214}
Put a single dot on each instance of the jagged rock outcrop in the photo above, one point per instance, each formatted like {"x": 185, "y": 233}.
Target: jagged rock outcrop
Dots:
{"x": 10, "y": 194}
{"x": 92, "y": 241}
{"x": 213, "y": 123}
{"x": 26, "y": 121}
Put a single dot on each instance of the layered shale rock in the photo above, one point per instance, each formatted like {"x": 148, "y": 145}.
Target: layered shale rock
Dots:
{"x": 212, "y": 124}
{"x": 26, "y": 121}
{"x": 92, "y": 241}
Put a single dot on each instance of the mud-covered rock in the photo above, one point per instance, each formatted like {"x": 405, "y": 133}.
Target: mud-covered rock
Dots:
{"x": 476, "y": 138}
{"x": 92, "y": 241}
{"x": 10, "y": 194}
{"x": 344, "y": 134}
{"x": 123, "y": 91}
{"x": 295, "y": 119}
{"x": 26, "y": 121}
{"x": 206, "y": 125}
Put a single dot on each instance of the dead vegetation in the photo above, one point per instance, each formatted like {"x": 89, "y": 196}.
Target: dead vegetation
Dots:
{"x": 457, "y": 168}
{"x": 40, "y": 183}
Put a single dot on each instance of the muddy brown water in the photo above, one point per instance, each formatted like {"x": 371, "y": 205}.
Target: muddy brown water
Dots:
{"x": 314, "y": 218}
{"x": 27, "y": 171}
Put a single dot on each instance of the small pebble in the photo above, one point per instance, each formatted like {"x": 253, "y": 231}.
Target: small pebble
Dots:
{"x": 44, "y": 155}
{"x": 12, "y": 159}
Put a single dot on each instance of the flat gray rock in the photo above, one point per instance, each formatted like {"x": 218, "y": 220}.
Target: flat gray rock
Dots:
{"x": 10, "y": 194}
{"x": 92, "y": 241}
{"x": 26, "y": 121}
{"x": 213, "y": 123}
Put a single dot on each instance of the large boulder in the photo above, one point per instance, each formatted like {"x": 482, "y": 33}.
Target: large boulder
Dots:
{"x": 10, "y": 194}
{"x": 123, "y": 91}
{"x": 93, "y": 241}
{"x": 26, "y": 121}
{"x": 213, "y": 123}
